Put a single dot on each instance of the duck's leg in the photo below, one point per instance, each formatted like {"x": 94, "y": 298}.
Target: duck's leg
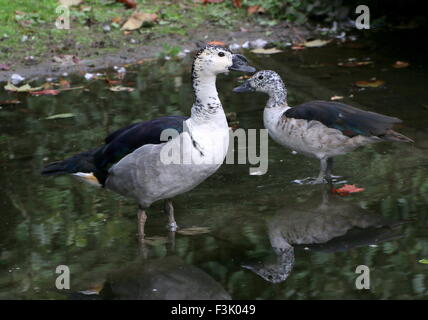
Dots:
{"x": 323, "y": 171}
{"x": 329, "y": 167}
{"x": 169, "y": 209}
{"x": 142, "y": 217}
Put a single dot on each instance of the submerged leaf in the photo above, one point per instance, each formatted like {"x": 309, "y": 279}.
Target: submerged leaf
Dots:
{"x": 266, "y": 51}
{"x": 60, "y": 116}
{"x": 121, "y": 88}
{"x": 193, "y": 231}
{"x": 351, "y": 64}
{"x": 400, "y": 64}
{"x": 47, "y": 92}
{"x": 370, "y": 84}
{"x": 316, "y": 43}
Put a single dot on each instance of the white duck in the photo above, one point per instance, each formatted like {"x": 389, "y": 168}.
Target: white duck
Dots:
{"x": 320, "y": 129}
{"x": 135, "y": 161}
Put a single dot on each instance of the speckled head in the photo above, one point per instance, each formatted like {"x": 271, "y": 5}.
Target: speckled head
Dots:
{"x": 266, "y": 81}
{"x": 212, "y": 60}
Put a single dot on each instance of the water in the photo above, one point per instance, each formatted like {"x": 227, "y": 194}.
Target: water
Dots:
{"x": 46, "y": 222}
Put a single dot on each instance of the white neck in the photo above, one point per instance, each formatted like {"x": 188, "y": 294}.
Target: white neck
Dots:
{"x": 207, "y": 106}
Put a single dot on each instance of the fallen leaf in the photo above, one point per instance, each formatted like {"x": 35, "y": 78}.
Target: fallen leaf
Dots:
{"x": 130, "y": 4}
{"x": 6, "y": 102}
{"x": 333, "y": 98}
{"x": 400, "y": 64}
{"x": 217, "y": 43}
{"x": 316, "y": 43}
{"x": 120, "y": 88}
{"x": 70, "y": 3}
{"x": 116, "y": 20}
{"x": 255, "y": 9}
{"x": 266, "y": 51}
{"x": 60, "y": 116}
{"x": 351, "y": 64}
{"x": 4, "y": 67}
{"x": 193, "y": 231}
{"x": 24, "y": 88}
{"x": 424, "y": 261}
{"x": 346, "y": 190}
{"x": 65, "y": 59}
{"x": 370, "y": 84}
{"x": 237, "y": 3}
{"x": 64, "y": 84}
{"x": 137, "y": 19}
{"x": 46, "y": 92}
{"x": 155, "y": 240}
{"x": 298, "y": 47}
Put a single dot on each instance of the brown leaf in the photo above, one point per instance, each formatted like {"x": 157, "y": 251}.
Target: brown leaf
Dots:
{"x": 370, "y": 84}
{"x": 400, "y": 64}
{"x": 255, "y": 9}
{"x": 137, "y": 19}
{"x": 64, "y": 84}
{"x": 217, "y": 43}
{"x": 130, "y": 4}
{"x": 351, "y": 64}
{"x": 237, "y": 3}
{"x": 116, "y": 20}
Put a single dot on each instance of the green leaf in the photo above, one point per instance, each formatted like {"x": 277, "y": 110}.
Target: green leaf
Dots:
{"x": 424, "y": 261}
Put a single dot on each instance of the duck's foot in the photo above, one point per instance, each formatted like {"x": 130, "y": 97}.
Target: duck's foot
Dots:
{"x": 172, "y": 226}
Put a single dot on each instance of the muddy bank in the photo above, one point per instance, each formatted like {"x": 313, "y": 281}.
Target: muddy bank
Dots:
{"x": 150, "y": 49}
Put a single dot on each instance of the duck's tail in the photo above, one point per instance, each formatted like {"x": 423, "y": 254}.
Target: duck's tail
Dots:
{"x": 82, "y": 162}
{"x": 392, "y": 135}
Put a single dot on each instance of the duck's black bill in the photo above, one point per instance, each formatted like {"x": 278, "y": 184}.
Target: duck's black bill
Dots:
{"x": 245, "y": 87}
{"x": 240, "y": 63}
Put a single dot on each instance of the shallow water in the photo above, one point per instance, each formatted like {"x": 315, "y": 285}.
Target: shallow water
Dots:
{"x": 46, "y": 222}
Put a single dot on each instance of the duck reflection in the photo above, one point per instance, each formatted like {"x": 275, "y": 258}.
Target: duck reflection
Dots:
{"x": 168, "y": 278}
{"x": 333, "y": 225}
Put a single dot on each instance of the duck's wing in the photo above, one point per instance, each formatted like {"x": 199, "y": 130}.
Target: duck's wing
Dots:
{"x": 128, "y": 139}
{"x": 349, "y": 120}
{"x": 117, "y": 145}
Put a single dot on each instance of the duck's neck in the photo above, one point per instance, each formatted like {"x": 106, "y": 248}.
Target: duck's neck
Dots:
{"x": 277, "y": 96}
{"x": 207, "y": 104}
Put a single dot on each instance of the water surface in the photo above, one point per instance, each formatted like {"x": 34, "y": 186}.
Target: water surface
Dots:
{"x": 46, "y": 222}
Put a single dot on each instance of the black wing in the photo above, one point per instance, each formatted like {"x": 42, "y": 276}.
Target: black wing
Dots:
{"x": 126, "y": 140}
{"x": 350, "y": 120}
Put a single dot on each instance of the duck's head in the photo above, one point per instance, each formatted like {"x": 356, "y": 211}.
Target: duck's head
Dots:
{"x": 266, "y": 81}
{"x": 212, "y": 60}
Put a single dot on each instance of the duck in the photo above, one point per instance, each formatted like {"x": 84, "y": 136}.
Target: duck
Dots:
{"x": 318, "y": 129}
{"x": 135, "y": 161}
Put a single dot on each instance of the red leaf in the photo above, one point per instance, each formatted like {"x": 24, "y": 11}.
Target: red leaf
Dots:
{"x": 217, "y": 43}
{"x": 255, "y": 9}
{"x": 4, "y": 67}
{"x": 130, "y": 4}
{"x": 347, "y": 189}
{"x": 47, "y": 92}
{"x": 237, "y": 3}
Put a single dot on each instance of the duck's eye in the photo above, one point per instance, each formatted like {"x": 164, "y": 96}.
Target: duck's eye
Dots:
{"x": 260, "y": 77}
{"x": 221, "y": 54}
